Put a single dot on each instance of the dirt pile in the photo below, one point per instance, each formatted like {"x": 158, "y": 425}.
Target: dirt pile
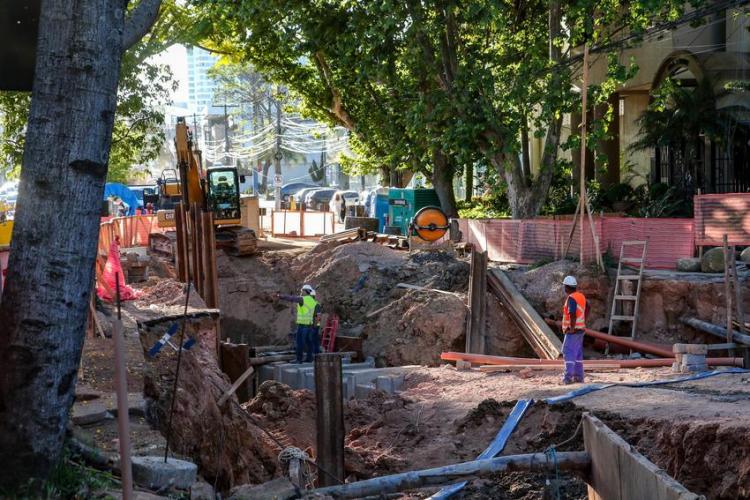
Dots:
{"x": 246, "y": 286}
{"x": 223, "y": 442}
{"x": 542, "y": 287}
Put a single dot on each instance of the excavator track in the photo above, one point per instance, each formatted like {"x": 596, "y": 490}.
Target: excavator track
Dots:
{"x": 236, "y": 240}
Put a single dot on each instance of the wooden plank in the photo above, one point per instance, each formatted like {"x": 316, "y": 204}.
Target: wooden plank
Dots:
{"x": 237, "y": 383}
{"x": 727, "y": 290}
{"x": 604, "y": 478}
{"x": 619, "y": 472}
{"x": 180, "y": 257}
{"x": 539, "y": 335}
{"x": 235, "y": 362}
{"x": 505, "y": 368}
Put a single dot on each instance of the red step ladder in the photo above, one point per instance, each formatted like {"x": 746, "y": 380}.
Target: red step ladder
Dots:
{"x": 328, "y": 336}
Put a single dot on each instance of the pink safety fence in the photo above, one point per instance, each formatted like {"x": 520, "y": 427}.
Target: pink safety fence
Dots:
{"x": 719, "y": 214}
{"x": 531, "y": 240}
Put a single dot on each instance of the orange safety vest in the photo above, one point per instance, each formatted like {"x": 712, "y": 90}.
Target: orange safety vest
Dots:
{"x": 580, "y": 321}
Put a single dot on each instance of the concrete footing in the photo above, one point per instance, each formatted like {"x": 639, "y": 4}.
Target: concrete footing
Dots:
{"x": 155, "y": 474}
{"x": 359, "y": 379}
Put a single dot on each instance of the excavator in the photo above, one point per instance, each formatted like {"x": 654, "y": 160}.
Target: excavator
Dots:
{"x": 217, "y": 189}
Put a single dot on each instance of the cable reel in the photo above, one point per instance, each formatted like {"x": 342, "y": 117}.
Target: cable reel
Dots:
{"x": 429, "y": 223}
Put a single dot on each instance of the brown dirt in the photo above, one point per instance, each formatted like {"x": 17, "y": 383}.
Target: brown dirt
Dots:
{"x": 353, "y": 280}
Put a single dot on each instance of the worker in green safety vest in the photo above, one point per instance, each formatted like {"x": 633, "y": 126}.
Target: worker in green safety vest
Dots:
{"x": 308, "y": 321}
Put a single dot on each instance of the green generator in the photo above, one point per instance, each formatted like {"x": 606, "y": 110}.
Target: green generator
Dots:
{"x": 404, "y": 203}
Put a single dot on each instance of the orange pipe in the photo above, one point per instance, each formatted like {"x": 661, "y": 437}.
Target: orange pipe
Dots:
{"x": 631, "y": 344}
{"x": 483, "y": 359}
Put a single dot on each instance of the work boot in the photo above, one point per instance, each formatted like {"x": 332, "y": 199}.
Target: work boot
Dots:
{"x": 567, "y": 381}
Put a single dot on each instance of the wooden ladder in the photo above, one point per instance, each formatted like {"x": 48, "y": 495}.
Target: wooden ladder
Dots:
{"x": 621, "y": 298}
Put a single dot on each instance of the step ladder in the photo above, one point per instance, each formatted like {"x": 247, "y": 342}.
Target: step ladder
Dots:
{"x": 624, "y": 274}
{"x": 328, "y": 336}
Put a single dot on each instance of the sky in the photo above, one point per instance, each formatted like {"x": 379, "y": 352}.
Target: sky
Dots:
{"x": 176, "y": 58}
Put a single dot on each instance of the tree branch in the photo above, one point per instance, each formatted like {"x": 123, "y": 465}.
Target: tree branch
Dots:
{"x": 140, "y": 20}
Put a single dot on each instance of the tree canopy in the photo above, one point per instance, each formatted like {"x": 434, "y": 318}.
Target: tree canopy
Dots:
{"x": 433, "y": 86}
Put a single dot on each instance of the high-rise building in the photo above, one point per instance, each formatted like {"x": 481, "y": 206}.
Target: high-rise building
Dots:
{"x": 200, "y": 85}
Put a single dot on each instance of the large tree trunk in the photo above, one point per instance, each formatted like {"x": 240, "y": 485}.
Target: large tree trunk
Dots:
{"x": 45, "y": 303}
{"x": 442, "y": 180}
{"x": 469, "y": 182}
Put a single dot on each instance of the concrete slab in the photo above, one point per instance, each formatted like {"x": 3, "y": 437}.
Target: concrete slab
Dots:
{"x": 89, "y": 412}
{"x": 86, "y": 393}
{"x": 136, "y": 404}
{"x": 277, "y": 489}
{"x": 153, "y": 473}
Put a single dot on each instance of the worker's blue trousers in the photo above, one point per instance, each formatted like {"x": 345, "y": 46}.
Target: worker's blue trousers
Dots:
{"x": 312, "y": 344}
{"x": 573, "y": 355}
{"x": 301, "y": 341}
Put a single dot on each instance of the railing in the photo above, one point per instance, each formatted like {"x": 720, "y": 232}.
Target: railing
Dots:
{"x": 301, "y": 223}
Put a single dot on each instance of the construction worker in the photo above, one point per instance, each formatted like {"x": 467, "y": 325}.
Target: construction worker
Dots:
{"x": 573, "y": 326}
{"x": 308, "y": 317}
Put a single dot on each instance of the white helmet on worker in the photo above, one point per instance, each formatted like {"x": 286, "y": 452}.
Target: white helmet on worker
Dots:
{"x": 570, "y": 281}
{"x": 309, "y": 290}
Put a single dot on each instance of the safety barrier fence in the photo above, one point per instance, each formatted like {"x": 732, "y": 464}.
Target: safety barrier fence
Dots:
{"x": 526, "y": 241}
{"x": 718, "y": 214}
{"x": 301, "y": 224}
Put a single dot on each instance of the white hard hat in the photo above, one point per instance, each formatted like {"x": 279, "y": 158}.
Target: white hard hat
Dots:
{"x": 309, "y": 289}
{"x": 570, "y": 281}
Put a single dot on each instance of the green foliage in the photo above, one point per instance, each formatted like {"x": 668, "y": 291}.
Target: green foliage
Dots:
{"x": 438, "y": 84}
{"x": 144, "y": 87}
{"x": 660, "y": 200}
{"x": 69, "y": 479}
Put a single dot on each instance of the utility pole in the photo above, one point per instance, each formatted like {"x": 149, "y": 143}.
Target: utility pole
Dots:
{"x": 227, "y": 142}
{"x": 277, "y": 157}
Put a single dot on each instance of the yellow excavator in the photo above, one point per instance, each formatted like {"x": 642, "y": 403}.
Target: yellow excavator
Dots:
{"x": 216, "y": 189}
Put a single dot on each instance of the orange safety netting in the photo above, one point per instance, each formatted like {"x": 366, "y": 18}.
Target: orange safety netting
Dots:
{"x": 113, "y": 274}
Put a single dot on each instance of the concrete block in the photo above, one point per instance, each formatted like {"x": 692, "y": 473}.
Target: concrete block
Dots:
{"x": 700, "y": 349}
{"x": 278, "y": 489}
{"x": 89, "y": 412}
{"x": 384, "y": 384}
{"x": 693, "y": 359}
{"x": 153, "y": 473}
{"x": 363, "y": 390}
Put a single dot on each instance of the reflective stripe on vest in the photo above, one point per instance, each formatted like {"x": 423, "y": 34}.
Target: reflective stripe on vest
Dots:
{"x": 306, "y": 311}
{"x": 580, "y": 322}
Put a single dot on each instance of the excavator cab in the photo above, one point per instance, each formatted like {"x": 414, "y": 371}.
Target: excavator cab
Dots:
{"x": 223, "y": 195}
{"x": 170, "y": 190}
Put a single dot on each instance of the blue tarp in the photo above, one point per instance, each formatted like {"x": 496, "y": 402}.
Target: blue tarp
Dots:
{"x": 121, "y": 191}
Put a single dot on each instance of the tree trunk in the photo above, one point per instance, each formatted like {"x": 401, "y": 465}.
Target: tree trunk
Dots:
{"x": 442, "y": 181}
{"x": 45, "y": 302}
{"x": 264, "y": 183}
{"x": 469, "y": 182}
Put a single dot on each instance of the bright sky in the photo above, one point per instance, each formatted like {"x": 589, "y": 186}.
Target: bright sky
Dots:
{"x": 176, "y": 58}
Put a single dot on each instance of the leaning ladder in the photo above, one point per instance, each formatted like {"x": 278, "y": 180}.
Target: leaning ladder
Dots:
{"x": 620, "y": 297}
{"x": 328, "y": 338}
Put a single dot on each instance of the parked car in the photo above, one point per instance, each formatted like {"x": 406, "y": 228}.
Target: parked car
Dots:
{"x": 316, "y": 200}
{"x": 291, "y": 188}
{"x": 300, "y": 195}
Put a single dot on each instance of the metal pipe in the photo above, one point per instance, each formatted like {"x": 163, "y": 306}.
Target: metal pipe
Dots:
{"x": 533, "y": 462}
{"x": 623, "y": 341}
{"x": 483, "y": 359}
{"x": 716, "y": 330}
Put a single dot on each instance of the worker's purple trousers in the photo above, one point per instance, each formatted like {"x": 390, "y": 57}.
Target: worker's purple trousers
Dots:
{"x": 573, "y": 355}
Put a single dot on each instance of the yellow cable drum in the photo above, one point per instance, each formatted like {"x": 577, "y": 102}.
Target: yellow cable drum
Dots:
{"x": 430, "y": 223}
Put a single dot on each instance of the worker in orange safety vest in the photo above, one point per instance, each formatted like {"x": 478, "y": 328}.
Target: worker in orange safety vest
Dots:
{"x": 575, "y": 311}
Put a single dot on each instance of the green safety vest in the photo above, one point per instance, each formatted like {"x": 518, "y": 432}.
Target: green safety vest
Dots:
{"x": 306, "y": 311}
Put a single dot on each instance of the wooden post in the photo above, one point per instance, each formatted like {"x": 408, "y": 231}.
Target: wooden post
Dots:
{"x": 211, "y": 269}
{"x": 728, "y": 290}
{"x": 236, "y": 361}
{"x": 584, "y": 96}
{"x": 199, "y": 251}
{"x": 179, "y": 221}
{"x": 329, "y": 397}
{"x": 475, "y": 327}
{"x": 121, "y": 388}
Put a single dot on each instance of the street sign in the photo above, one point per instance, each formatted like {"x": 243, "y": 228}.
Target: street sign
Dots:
{"x": 277, "y": 181}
